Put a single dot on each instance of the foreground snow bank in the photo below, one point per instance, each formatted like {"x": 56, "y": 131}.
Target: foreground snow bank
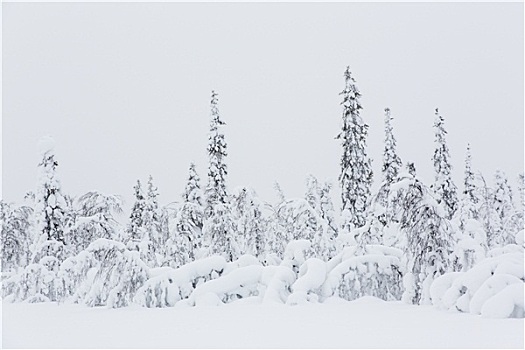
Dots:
{"x": 363, "y": 323}
{"x": 492, "y": 288}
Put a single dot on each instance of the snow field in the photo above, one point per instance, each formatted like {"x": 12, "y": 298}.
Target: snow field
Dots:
{"x": 364, "y": 323}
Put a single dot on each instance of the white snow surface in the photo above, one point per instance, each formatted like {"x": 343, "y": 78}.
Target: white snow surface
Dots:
{"x": 363, "y": 323}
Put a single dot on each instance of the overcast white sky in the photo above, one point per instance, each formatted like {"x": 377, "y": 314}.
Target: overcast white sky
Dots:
{"x": 124, "y": 88}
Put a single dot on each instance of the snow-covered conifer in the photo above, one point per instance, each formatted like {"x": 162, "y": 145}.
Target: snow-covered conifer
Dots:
{"x": 220, "y": 229}
{"x": 471, "y": 240}
{"x": 490, "y": 218}
{"x": 443, "y": 186}
{"x": 50, "y": 206}
{"x": 504, "y": 206}
{"x": 217, "y": 171}
{"x": 356, "y": 169}
{"x": 391, "y": 162}
{"x": 428, "y": 235}
{"x": 15, "y": 236}
{"x": 140, "y": 226}
{"x": 249, "y": 221}
{"x": 193, "y": 192}
{"x": 94, "y": 219}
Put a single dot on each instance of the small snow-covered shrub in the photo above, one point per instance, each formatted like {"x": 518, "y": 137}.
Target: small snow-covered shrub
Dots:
{"x": 377, "y": 273}
{"x": 112, "y": 274}
{"x": 34, "y": 283}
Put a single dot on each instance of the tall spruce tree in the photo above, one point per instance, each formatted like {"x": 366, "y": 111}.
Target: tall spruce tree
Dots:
{"x": 391, "y": 161}
{"x": 217, "y": 171}
{"x": 443, "y": 186}
{"x": 356, "y": 169}
{"x": 218, "y": 229}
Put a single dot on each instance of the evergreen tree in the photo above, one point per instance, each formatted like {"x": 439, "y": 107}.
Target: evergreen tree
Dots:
{"x": 443, "y": 186}
{"x": 135, "y": 228}
{"x": 193, "y": 192}
{"x": 249, "y": 222}
{"x": 356, "y": 170}
{"x": 218, "y": 227}
{"x": 521, "y": 190}
{"x": 471, "y": 240}
{"x": 504, "y": 206}
{"x": 429, "y": 239}
{"x": 391, "y": 162}
{"x": 490, "y": 218}
{"x": 94, "y": 219}
{"x": 15, "y": 236}
{"x": 217, "y": 171}
{"x": 187, "y": 240}
{"x": 328, "y": 212}
{"x": 50, "y": 206}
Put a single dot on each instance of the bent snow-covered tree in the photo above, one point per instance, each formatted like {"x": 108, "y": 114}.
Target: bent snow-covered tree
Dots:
{"x": 356, "y": 170}
{"x": 428, "y": 235}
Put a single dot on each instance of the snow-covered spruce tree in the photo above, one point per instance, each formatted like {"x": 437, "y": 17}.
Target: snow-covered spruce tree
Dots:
{"x": 356, "y": 170}
{"x": 94, "y": 219}
{"x": 218, "y": 228}
{"x": 328, "y": 215}
{"x": 135, "y": 228}
{"x": 521, "y": 190}
{"x": 249, "y": 221}
{"x": 391, "y": 165}
{"x": 16, "y": 226}
{"x": 186, "y": 239}
{"x": 300, "y": 221}
{"x": 471, "y": 240}
{"x": 428, "y": 234}
{"x": 50, "y": 206}
{"x": 217, "y": 169}
{"x": 443, "y": 186}
{"x": 490, "y": 218}
{"x": 138, "y": 234}
{"x": 504, "y": 206}
{"x": 277, "y": 237}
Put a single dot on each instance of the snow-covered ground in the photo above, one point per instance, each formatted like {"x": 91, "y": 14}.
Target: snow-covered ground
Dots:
{"x": 363, "y": 323}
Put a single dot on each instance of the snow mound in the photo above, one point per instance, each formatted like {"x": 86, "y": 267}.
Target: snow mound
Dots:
{"x": 489, "y": 288}
{"x": 440, "y": 286}
{"x": 312, "y": 275}
{"x": 508, "y": 303}
{"x": 240, "y": 283}
{"x": 297, "y": 250}
{"x": 471, "y": 290}
{"x": 278, "y": 281}
{"x": 519, "y": 238}
{"x": 174, "y": 285}
{"x": 509, "y": 248}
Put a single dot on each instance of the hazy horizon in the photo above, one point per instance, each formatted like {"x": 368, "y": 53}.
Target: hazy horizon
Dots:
{"x": 124, "y": 88}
